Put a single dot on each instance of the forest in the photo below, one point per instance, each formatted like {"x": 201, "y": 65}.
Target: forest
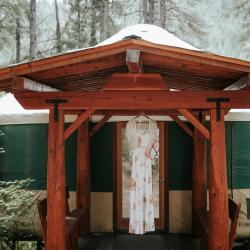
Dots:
{"x": 33, "y": 29}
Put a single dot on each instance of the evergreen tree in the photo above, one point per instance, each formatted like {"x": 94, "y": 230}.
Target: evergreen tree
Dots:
{"x": 76, "y": 28}
{"x": 237, "y": 14}
{"x": 58, "y": 29}
{"x": 174, "y": 17}
{"x": 12, "y": 18}
{"x": 33, "y": 28}
{"x": 229, "y": 27}
{"x": 90, "y": 22}
{"x": 108, "y": 13}
{"x": 219, "y": 26}
{"x": 8, "y": 12}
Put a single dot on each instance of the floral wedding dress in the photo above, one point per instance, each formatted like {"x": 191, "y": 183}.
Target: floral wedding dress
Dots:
{"x": 141, "y": 134}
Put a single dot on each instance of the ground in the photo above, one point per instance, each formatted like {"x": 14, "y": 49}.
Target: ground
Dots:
{"x": 154, "y": 241}
{"x": 123, "y": 241}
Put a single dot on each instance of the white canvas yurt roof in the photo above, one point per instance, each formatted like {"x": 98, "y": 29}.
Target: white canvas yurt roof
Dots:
{"x": 150, "y": 33}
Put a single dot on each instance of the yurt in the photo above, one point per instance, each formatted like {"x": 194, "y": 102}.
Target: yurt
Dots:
{"x": 145, "y": 71}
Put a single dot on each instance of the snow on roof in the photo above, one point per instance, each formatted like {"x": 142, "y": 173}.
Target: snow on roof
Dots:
{"x": 150, "y": 33}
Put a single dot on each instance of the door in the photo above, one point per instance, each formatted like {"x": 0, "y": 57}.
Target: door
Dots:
{"x": 123, "y": 171}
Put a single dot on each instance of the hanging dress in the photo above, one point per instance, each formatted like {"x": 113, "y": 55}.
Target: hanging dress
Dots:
{"x": 141, "y": 135}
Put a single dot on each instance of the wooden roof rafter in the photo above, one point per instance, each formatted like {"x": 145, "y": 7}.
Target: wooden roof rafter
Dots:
{"x": 196, "y": 123}
{"x": 99, "y": 125}
{"x": 77, "y": 123}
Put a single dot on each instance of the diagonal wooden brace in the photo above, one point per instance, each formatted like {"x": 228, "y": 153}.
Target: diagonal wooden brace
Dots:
{"x": 196, "y": 123}
{"x": 99, "y": 125}
{"x": 75, "y": 125}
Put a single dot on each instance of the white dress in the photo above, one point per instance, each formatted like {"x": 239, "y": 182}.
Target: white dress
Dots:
{"x": 141, "y": 135}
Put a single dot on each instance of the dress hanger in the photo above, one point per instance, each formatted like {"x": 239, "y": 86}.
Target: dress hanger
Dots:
{"x": 142, "y": 114}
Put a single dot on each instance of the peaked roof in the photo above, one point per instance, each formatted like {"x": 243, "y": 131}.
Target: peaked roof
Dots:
{"x": 90, "y": 69}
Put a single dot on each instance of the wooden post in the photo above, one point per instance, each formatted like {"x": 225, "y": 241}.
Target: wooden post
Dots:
{"x": 56, "y": 210}
{"x": 199, "y": 189}
{"x": 83, "y": 174}
{"x": 218, "y": 234}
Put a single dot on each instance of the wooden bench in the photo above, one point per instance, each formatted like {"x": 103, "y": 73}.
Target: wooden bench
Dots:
{"x": 80, "y": 214}
{"x": 75, "y": 222}
{"x": 203, "y": 220}
{"x": 72, "y": 226}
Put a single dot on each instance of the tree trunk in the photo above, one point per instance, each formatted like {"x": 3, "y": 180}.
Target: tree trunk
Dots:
{"x": 145, "y": 10}
{"x": 78, "y": 23}
{"x": 18, "y": 40}
{"x": 58, "y": 30}
{"x": 162, "y": 13}
{"x": 33, "y": 42}
{"x": 151, "y": 11}
{"x": 104, "y": 21}
{"x": 157, "y": 12}
{"x": 94, "y": 6}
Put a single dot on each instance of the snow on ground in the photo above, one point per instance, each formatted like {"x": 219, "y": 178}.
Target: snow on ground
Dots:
{"x": 11, "y": 112}
{"x": 150, "y": 33}
{"x": 9, "y": 105}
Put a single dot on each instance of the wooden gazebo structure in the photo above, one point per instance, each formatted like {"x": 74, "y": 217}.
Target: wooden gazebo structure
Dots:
{"x": 125, "y": 78}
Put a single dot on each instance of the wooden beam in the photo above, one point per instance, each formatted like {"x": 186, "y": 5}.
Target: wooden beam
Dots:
{"x": 218, "y": 237}
{"x": 75, "y": 125}
{"x": 99, "y": 125}
{"x": 56, "y": 210}
{"x": 133, "y": 61}
{"x": 192, "y": 119}
{"x": 83, "y": 175}
{"x": 122, "y": 112}
{"x": 23, "y": 83}
{"x": 199, "y": 182}
{"x": 188, "y": 130}
{"x": 117, "y": 112}
{"x": 136, "y": 81}
{"x": 242, "y": 83}
{"x": 136, "y": 100}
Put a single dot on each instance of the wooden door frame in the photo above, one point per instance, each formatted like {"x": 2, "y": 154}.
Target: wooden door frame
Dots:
{"x": 120, "y": 223}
